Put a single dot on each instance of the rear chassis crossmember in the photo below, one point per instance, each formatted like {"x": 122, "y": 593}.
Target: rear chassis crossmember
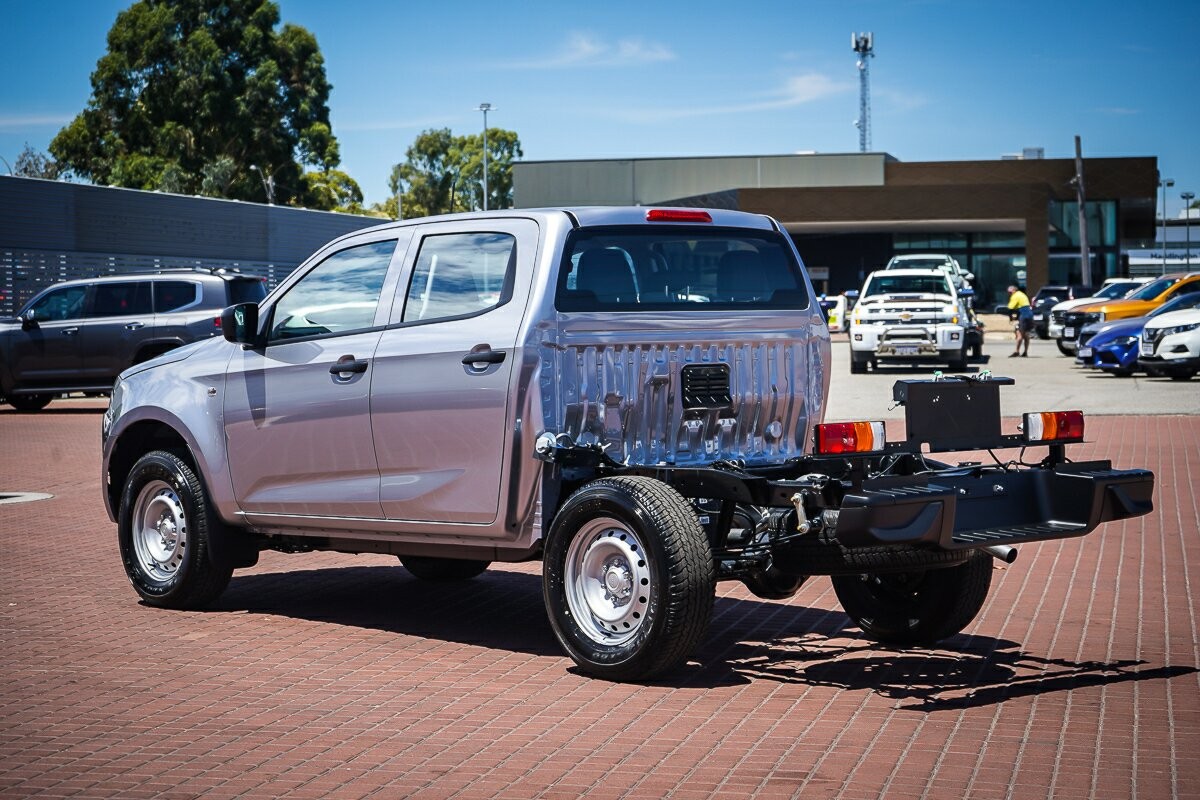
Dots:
{"x": 898, "y": 496}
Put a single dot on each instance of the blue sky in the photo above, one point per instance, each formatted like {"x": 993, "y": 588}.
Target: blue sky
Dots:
{"x": 961, "y": 79}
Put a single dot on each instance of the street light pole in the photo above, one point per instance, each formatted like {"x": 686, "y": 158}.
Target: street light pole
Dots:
{"x": 485, "y": 107}
{"x": 268, "y": 182}
{"x": 1187, "y": 228}
{"x": 1164, "y": 183}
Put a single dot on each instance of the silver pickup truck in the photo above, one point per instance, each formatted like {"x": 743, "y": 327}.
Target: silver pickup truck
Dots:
{"x": 634, "y": 397}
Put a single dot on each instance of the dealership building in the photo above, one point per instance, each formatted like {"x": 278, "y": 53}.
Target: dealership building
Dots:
{"x": 1008, "y": 220}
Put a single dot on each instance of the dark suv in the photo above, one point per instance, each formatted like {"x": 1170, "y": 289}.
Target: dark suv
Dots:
{"x": 77, "y": 336}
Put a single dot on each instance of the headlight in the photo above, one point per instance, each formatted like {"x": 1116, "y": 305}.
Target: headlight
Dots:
{"x": 1125, "y": 341}
{"x": 1100, "y": 317}
{"x": 1180, "y": 329}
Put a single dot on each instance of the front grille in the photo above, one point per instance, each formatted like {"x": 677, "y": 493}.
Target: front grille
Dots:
{"x": 1085, "y": 337}
{"x": 1059, "y": 317}
{"x": 1075, "y": 320}
{"x": 706, "y": 386}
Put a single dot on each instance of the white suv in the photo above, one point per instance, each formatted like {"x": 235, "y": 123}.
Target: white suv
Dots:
{"x": 1171, "y": 344}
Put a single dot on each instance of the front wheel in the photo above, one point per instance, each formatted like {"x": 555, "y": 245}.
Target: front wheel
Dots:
{"x": 918, "y": 607}
{"x": 1062, "y": 348}
{"x": 628, "y": 578}
{"x": 165, "y": 529}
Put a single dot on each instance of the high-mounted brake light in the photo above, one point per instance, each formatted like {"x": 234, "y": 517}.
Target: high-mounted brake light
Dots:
{"x": 833, "y": 438}
{"x": 677, "y": 215}
{"x": 1054, "y": 426}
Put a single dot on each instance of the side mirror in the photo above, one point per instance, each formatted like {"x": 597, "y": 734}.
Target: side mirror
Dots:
{"x": 239, "y": 324}
{"x": 28, "y": 320}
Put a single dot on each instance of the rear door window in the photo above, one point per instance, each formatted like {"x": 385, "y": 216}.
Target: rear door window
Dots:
{"x": 120, "y": 299}
{"x": 646, "y": 268}
{"x": 459, "y": 275}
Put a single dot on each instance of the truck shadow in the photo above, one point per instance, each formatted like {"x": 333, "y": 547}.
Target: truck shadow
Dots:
{"x": 750, "y": 640}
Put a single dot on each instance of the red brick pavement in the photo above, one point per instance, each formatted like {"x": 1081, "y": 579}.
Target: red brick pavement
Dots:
{"x": 338, "y": 676}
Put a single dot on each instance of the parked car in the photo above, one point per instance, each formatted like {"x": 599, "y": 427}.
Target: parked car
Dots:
{"x": 1113, "y": 346}
{"x": 946, "y": 263}
{"x": 1112, "y": 289}
{"x": 77, "y": 336}
{"x": 634, "y": 397}
{"x": 1046, "y": 298}
{"x": 1137, "y": 304}
{"x": 910, "y": 316}
{"x": 1170, "y": 344}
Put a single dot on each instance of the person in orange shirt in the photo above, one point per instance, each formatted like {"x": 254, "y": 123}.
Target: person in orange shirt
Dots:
{"x": 1018, "y": 301}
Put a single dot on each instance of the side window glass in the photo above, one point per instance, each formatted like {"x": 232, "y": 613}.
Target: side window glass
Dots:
{"x": 339, "y": 295}
{"x": 61, "y": 304}
{"x": 460, "y": 274}
{"x": 173, "y": 295}
{"x": 120, "y": 299}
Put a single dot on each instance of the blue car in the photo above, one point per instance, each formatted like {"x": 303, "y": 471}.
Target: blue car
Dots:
{"x": 1113, "y": 346}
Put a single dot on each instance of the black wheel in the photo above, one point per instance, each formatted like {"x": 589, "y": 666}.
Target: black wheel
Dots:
{"x": 443, "y": 570}
{"x": 918, "y": 607}
{"x": 858, "y": 364}
{"x": 959, "y": 362}
{"x": 1182, "y": 376}
{"x": 166, "y": 530}
{"x": 29, "y": 402}
{"x": 772, "y": 584}
{"x": 1063, "y": 349}
{"x": 628, "y": 578}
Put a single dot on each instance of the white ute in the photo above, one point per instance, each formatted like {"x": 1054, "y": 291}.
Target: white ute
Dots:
{"x": 908, "y": 316}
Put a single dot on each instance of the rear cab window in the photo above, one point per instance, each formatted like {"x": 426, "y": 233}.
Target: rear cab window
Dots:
{"x": 643, "y": 268}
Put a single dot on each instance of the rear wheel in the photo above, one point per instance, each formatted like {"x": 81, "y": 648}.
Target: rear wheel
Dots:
{"x": 628, "y": 578}
{"x": 29, "y": 402}
{"x": 917, "y": 607}
{"x": 443, "y": 570}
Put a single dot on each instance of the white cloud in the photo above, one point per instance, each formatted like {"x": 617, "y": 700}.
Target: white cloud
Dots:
{"x": 795, "y": 91}
{"x": 19, "y": 121}
{"x": 588, "y": 50}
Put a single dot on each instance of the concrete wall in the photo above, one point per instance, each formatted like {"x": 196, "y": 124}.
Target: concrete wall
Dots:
{"x": 655, "y": 180}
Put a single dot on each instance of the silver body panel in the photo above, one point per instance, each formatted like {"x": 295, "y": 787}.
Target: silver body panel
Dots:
{"x": 424, "y": 449}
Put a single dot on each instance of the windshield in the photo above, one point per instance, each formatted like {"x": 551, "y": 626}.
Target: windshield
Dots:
{"x": 1153, "y": 289}
{"x": 1114, "y": 290}
{"x": 649, "y": 268}
{"x": 906, "y": 284}
{"x": 1177, "y": 304}
{"x": 919, "y": 263}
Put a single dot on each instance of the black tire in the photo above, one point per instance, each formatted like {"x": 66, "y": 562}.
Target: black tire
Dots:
{"x": 628, "y": 578}
{"x": 959, "y": 364}
{"x": 443, "y": 570}
{"x": 29, "y": 402}
{"x": 916, "y": 608}
{"x": 1062, "y": 348}
{"x": 858, "y": 366}
{"x": 1182, "y": 376}
{"x": 171, "y": 563}
{"x": 772, "y": 584}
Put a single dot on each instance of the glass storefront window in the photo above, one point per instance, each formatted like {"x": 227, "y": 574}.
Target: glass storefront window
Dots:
{"x": 1101, "y": 222}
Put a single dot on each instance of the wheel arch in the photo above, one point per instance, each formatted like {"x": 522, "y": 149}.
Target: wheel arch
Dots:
{"x": 134, "y": 442}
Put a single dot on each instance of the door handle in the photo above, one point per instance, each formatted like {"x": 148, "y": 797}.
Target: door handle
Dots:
{"x": 133, "y": 326}
{"x": 488, "y": 356}
{"x": 347, "y": 365}
{"x": 70, "y": 331}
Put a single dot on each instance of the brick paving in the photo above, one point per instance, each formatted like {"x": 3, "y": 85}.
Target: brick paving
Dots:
{"x": 326, "y": 675}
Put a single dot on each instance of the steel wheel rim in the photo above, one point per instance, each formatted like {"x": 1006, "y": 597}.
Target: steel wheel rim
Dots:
{"x": 160, "y": 531}
{"x": 608, "y": 581}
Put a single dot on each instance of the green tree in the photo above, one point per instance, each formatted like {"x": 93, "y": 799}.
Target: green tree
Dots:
{"x": 332, "y": 190}
{"x": 193, "y": 92}
{"x": 34, "y": 164}
{"x": 443, "y": 173}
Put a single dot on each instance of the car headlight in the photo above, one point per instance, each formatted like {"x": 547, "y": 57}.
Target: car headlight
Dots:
{"x": 1125, "y": 341}
{"x": 1180, "y": 329}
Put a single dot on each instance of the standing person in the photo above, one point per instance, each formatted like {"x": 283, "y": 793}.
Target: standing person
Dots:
{"x": 1019, "y": 301}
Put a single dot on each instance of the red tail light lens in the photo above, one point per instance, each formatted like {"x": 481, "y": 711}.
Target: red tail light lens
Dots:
{"x": 1054, "y": 426}
{"x": 834, "y": 438}
{"x": 677, "y": 215}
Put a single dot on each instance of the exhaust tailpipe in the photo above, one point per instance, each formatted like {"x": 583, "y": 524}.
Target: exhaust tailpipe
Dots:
{"x": 1001, "y": 552}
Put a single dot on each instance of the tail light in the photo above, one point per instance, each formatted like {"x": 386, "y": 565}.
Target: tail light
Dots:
{"x": 217, "y": 322}
{"x": 677, "y": 215}
{"x": 833, "y": 438}
{"x": 1054, "y": 426}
